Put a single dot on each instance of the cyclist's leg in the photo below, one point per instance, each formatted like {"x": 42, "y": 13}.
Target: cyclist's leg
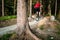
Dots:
{"x": 38, "y": 13}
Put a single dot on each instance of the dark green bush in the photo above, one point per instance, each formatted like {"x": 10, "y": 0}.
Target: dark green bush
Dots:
{"x": 5, "y": 37}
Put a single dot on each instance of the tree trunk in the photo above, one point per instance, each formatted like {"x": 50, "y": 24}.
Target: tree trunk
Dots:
{"x": 22, "y": 20}
{"x": 55, "y": 7}
{"x": 49, "y": 8}
{"x": 30, "y": 8}
{"x": 2, "y": 7}
{"x": 14, "y": 7}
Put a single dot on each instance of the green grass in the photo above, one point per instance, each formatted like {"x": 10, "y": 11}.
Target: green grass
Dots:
{"x": 7, "y": 17}
{"x": 5, "y": 37}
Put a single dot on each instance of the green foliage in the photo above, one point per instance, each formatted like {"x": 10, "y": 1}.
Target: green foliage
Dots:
{"x": 9, "y": 7}
{"x": 5, "y": 37}
{"x": 7, "y": 17}
{"x": 42, "y": 27}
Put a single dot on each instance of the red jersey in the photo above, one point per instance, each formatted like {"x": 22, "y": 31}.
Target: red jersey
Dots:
{"x": 37, "y": 5}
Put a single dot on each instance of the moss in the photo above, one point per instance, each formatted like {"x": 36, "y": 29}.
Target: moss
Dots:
{"x": 42, "y": 27}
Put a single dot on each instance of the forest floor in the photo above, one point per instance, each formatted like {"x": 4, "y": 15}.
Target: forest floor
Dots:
{"x": 44, "y": 26}
{"x": 7, "y": 29}
{"x": 34, "y": 23}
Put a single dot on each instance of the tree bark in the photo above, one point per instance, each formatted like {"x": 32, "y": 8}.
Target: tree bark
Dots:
{"x": 14, "y": 6}
{"x": 22, "y": 19}
{"x": 2, "y": 7}
{"x": 30, "y": 8}
{"x": 49, "y": 8}
{"x": 55, "y": 7}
